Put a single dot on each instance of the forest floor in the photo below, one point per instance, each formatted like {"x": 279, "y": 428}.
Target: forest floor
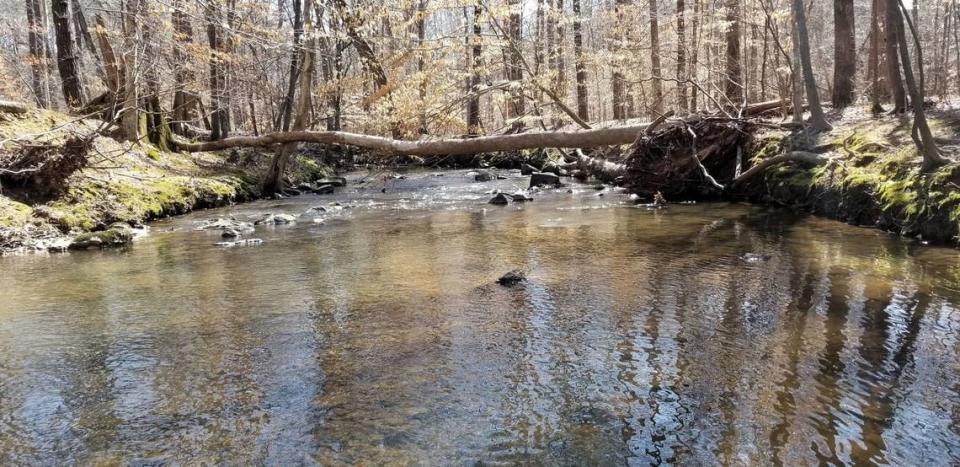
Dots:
{"x": 872, "y": 179}
{"x": 119, "y": 182}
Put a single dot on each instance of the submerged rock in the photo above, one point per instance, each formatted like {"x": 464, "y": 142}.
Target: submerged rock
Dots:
{"x": 335, "y": 181}
{"x": 521, "y": 197}
{"x": 755, "y": 258}
{"x": 225, "y": 224}
{"x": 324, "y": 189}
{"x": 512, "y": 278}
{"x": 500, "y": 200}
{"x": 275, "y": 219}
{"x": 542, "y": 178}
{"x": 238, "y": 243}
{"x": 483, "y": 176}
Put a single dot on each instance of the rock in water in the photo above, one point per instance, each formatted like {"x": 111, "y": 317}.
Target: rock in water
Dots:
{"x": 527, "y": 169}
{"x": 500, "y": 200}
{"x": 542, "y": 178}
{"x": 116, "y": 235}
{"x": 512, "y": 278}
{"x": 755, "y": 258}
{"x": 326, "y": 189}
{"x": 335, "y": 181}
{"x": 521, "y": 197}
{"x": 483, "y": 176}
{"x": 230, "y": 233}
{"x": 284, "y": 219}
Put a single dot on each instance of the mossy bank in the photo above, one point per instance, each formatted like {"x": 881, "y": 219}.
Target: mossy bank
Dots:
{"x": 120, "y": 182}
{"x": 873, "y": 179}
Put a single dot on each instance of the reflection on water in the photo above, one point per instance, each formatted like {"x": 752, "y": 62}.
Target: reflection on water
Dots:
{"x": 642, "y": 337}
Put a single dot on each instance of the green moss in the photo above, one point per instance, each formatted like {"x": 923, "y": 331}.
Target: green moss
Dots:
{"x": 153, "y": 154}
{"x": 13, "y": 214}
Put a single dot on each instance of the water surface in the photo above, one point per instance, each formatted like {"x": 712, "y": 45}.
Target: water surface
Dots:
{"x": 379, "y": 336}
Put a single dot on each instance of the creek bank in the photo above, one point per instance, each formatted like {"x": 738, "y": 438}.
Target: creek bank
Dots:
{"x": 95, "y": 185}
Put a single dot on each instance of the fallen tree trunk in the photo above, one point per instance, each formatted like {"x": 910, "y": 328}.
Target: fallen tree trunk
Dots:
{"x": 455, "y": 146}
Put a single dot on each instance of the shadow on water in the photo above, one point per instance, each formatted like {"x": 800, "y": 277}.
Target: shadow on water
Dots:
{"x": 701, "y": 334}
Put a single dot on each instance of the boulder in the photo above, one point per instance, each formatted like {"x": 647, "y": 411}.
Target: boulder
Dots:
{"x": 284, "y": 219}
{"x": 116, "y": 235}
{"x": 483, "y": 176}
{"x": 527, "y": 169}
{"x": 335, "y": 181}
{"x": 500, "y": 200}
{"x": 324, "y": 190}
{"x": 512, "y": 278}
{"x": 291, "y": 192}
{"x": 551, "y": 167}
{"x": 230, "y": 233}
{"x": 305, "y": 187}
{"x": 542, "y": 179}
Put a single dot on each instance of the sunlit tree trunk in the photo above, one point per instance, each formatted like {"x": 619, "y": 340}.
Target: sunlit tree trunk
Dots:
{"x": 818, "y": 120}
{"x": 581, "y": 66}
{"x": 655, "y": 71}
{"x": 844, "y": 52}
{"x": 67, "y": 62}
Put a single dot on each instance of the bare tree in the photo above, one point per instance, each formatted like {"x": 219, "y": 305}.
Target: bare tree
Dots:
{"x": 66, "y": 54}
{"x": 844, "y": 52}
{"x": 818, "y": 120}
{"x": 37, "y": 43}
{"x": 583, "y": 99}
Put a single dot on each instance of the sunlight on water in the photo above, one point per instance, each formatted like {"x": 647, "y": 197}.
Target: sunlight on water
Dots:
{"x": 698, "y": 335}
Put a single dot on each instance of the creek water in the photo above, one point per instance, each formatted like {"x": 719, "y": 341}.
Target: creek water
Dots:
{"x": 696, "y": 335}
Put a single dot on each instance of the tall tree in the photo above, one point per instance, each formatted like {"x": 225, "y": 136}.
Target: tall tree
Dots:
{"x": 583, "y": 99}
{"x": 734, "y": 69}
{"x": 921, "y": 134}
{"x": 37, "y": 40}
{"x": 219, "y": 98}
{"x": 274, "y": 180}
{"x": 892, "y": 56}
{"x": 185, "y": 102}
{"x": 130, "y": 116}
{"x": 844, "y": 52}
{"x": 66, "y": 54}
{"x": 473, "y": 103}
{"x": 817, "y": 119}
{"x": 873, "y": 60}
{"x": 681, "y": 60}
{"x": 286, "y": 108}
{"x": 655, "y": 72}
{"x": 618, "y": 85}
{"x": 514, "y": 65}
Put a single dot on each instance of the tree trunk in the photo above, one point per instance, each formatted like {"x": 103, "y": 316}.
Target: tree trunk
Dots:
{"x": 844, "y": 53}
{"x": 220, "y": 111}
{"x": 618, "y": 86}
{"x": 473, "y": 104}
{"x": 421, "y": 60}
{"x": 513, "y": 142}
{"x": 274, "y": 180}
{"x": 514, "y": 67}
{"x": 286, "y": 109}
{"x": 734, "y": 70}
{"x": 36, "y": 39}
{"x": 66, "y": 55}
{"x": 873, "y": 61}
{"x": 894, "y": 81}
{"x": 655, "y": 71}
{"x": 583, "y": 99}
{"x": 184, "y": 101}
{"x": 817, "y": 119}
{"x": 130, "y": 116}
{"x": 681, "y": 60}
{"x": 694, "y": 55}
{"x": 921, "y": 134}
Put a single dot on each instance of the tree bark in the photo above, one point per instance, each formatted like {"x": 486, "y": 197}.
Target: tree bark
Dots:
{"x": 817, "y": 119}
{"x": 583, "y": 100}
{"x": 66, "y": 55}
{"x": 286, "y": 109}
{"x": 844, "y": 53}
{"x": 618, "y": 86}
{"x": 514, "y": 66}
